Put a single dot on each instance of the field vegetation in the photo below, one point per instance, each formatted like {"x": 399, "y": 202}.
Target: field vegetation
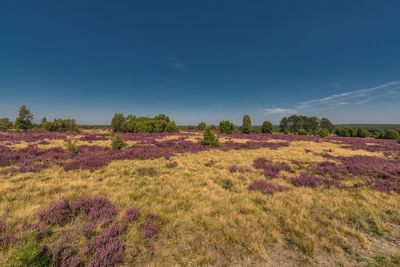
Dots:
{"x": 209, "y": 197}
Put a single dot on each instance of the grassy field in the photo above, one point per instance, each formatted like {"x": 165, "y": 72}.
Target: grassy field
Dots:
{"x": 200, "y": 206}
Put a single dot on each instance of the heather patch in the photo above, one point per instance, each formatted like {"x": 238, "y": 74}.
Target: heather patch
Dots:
{"x": 271, "y": 169}
{"x": 264, "y": 187}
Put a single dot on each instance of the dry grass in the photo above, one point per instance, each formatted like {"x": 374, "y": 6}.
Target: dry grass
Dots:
{"x": 211, "y": 218}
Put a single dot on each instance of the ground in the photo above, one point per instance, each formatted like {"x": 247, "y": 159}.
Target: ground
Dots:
{"x": 208, "y": 212}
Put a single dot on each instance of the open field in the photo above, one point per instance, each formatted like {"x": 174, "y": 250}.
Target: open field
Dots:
{"x": 167, "y": 200}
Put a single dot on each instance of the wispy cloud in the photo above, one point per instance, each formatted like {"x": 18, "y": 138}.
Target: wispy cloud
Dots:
{"x": 176, "y": 63}
{"x": 356, "y": 97}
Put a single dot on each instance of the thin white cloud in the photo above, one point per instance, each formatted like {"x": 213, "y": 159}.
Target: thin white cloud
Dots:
{"x": 357, "y": 97}
{"x": 176, "y": 63}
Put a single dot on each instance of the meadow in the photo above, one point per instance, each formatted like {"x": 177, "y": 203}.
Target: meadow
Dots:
{"x": 167, "y": 200}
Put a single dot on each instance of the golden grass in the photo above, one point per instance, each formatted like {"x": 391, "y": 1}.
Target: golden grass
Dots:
{"x": 207, "y": 223}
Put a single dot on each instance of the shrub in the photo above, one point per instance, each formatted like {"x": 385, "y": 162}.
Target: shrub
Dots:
{"x": 391, "y": 134}
{"x": 306, "y": 180}
{"x": 342, "y": 132}
{"x": 29, "y": 253}
{"x": 171, "y": 127}
{"x": 326, "y": 124}
{"x": 117, "y": 143}
{"x": 246, "y": 126}
{"x": 131, "y": 214}
{"x": 353, "y": 132}
{"x": 72, "y": 147}
{"x": 58, "y": 213}
{"x": 265, "y": 188}
{"x": 324, "y": 132}
{"x": 64, "y": 257}
{"x": 5, "y": 124}
{"x": 210, "y": 138}
{"x": 117, "y": 122}
{"x": 362, "y": 133}
{"x": 201, "y": 126}
{"x": 302, "y": 131}
{"x": 24, "y": 119}
{"x": 226, "y": 127}
{"x": 97, "y": 208}
{"x": 266, "y": 127}
{"x": 59, "y": 125}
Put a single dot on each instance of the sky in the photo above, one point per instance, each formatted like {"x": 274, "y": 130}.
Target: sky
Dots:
{"x": 201, "y": 60}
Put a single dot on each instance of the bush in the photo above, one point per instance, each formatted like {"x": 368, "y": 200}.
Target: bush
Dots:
{"x": 24, "y": 119}
{"x": 5, "y": 124}
{"x": 72, "y": 147}
{"x": 266, "y": 127}
{"x": 59, "y": 125}
{"x": 117, "y": 143}
{"x": 29, "y": 253}
{"x": 171, "y": 127}
{"x": 326, "y": 124}
{"x": 117, "y": 122}
{"x": 324, "y": 132}
{"x": 391, "y": 134}
{"x": 343, "y": 132}
{"x": 226, "y": 127}
{"x": 353, "y": 132}
{"x": 246, "y": 126}
{"x": 362, "y": 133}
{"x": 210, "y": 138}
{"x": 201, "y": 126}
{"x": 302, "y": 132}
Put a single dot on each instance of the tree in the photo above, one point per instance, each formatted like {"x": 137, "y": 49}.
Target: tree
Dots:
{"x": 326, "y": 124}
{"x": 283, "y": 125}
{"x": 5, "y": 124}
{"x": 24, "y": 119}
{"x": 323, "y": 132}
{"x": 246, "y": 127}
{"x": 171, "y": 127}
{"x": 117, "y": 122}
{"x": 201, "y": 126}
{"x": 391, "y": 134}
{"x": 266, "y": 127}
{"x": 210, "y": 138}
{"x": 362, "y": 133}
{"x": 226, "y": 127}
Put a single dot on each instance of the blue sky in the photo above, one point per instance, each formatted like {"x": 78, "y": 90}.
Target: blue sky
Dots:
{"x": 201, "y": 60}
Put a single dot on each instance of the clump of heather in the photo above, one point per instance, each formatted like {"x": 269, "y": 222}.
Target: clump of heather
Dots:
{"x": 150, "y": 226}
{"x": 305, "y": 180}
{"x": 131, "y": 214}
{"x": 97, "y": 208}
{"x": 271, "y": 170}
{"x": 265, "y": 188}
{"x": 60, "y": 213}
{"x": 65, "y": 257}
{"x": 87, "y": 161}
{"x": 172, "y": 164}
{"x": 89, "y": 230}
{"x": 238, "y": 169}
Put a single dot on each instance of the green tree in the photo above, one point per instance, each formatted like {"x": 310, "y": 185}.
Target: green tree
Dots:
{"x": 201, "y": 126}
{"x": 362, "y": 133}
{"x": 283, "y": 125}
{"x": 5, "y": 124}
{"x": 323, "y": 132}
{"x": 210, "y": 138}
{"x": 246, "y": 126}
{"x": 326, "y": 124}
{"x": 117, "y": 122}
{"x": 391, "y": 134}
{"x": 24, "y": 119}
{"x": 226, "y": 127}
{"x": 171, "y": 127}
{"x": 266, "y": 127}
{"x": 118, "y": 143}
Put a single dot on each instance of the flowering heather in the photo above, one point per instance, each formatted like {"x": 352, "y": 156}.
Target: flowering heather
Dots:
{"x": 97, "y": 208}
{"x": 87, "y": 161}
{"x": 271, "y": 169}
{"x": 150, "y": 226}
{"x": 305, "y": 180}
{"x": 385, "y": 186}
{"x": 89, "y": 230}
{"x": 94, "y": 137}
{"x": 131, "y": 214}
{"x": 58, "y": 213}
{"x": 65, "y": 257}
{"x": 7, "y": 240}
{"x": 265, "y": 188}
{"x": 238, "y": 169}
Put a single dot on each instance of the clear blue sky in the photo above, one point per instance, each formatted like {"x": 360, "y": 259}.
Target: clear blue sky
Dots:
{"x": 201, "y": 60}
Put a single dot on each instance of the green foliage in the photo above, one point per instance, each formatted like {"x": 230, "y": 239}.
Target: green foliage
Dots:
{"x": 59, "y": 125}
{"x": 343, "y": 132}
{"x": 226, "y": 127}
{"x": 201, "y": 126}
{"x": 24, "y": 119}
{"x": 137, "y": 124}
{"x": 391, "y": 134}
{"x": 326, "y": 124}
{"x": 246, "y": 126}
{"x": 302, "y": 132}
{"x": 323, "y": 132}
{"x": 29, "y": 254}
{"x": 171, "y": 127}
{"x": 72, "y": 147}
{"x": 117, "y": 122}
{"x": 210, "y": 138}
{"x": 5, "y": 124}
{"x": 266, "y": 127}
{"x": 117, "y": 143}
{"x": 299, "y": 124}
{"x": 353, "y": 132}
{"x": 362, "y": 133}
